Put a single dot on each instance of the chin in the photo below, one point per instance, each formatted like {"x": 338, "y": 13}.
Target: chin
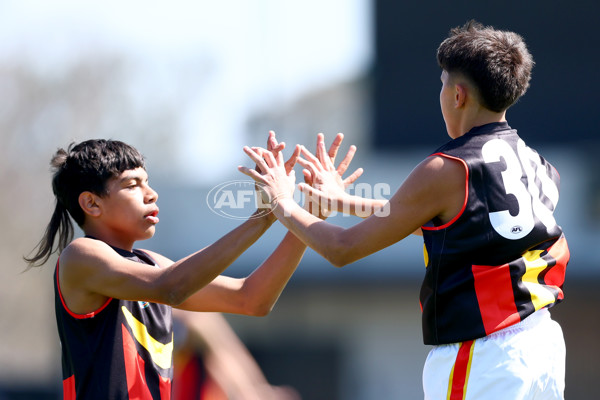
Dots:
{"x": 149, "y": 233}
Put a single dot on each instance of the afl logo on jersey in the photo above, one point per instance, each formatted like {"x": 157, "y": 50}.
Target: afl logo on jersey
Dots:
{"x": 515, "y": 230}
{"x": 143, "y": 304}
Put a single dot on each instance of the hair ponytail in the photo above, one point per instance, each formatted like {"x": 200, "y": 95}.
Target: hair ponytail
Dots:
{"x": 60, "y": 224}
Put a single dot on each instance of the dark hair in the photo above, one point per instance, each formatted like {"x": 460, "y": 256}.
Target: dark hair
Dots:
{"x": 86, "y": 166}
{"x": 496, "y": 62}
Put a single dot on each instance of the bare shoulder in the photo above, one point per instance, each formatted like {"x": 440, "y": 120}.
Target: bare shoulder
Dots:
{"x": 80, "y": 263}
{"x": 82, "y": 251}
{"x": 437, "y": 173}
{"x": 82, "y": 258}
{"x": 91, "y": 272}
{"x": 438, "y": 185}
{"x": 438, "y": 166}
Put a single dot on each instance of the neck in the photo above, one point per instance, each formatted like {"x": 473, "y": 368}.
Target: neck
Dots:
{"x": 110, "y": 239}
{"x": 480, "y": 117}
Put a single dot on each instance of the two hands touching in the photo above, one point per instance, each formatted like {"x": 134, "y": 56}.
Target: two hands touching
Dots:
{"x": 323, "y": 186}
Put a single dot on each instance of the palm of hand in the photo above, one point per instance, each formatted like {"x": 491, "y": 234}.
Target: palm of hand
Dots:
{"x": 329, "y": 183}
{"x": 327, "y": 187}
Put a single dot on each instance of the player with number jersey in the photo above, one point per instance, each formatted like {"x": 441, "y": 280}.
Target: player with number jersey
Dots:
{"x": 479, "y": 278}
{"x": 495, "y": 256}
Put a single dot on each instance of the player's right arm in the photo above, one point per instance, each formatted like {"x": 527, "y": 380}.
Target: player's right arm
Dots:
{"x": 325, "y": 188}
{"x": 434, "y": 189}
{"x": 255, "y": 294}
{"x": 90, "y": 271}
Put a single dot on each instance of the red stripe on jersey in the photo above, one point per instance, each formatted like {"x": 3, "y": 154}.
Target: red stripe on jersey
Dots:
{"x": 556, "y": 275}
{"x": 460, "y": 372}
{"x": 165, "y": 388}
{"x": 69, "y": 388}
{"x": 495, "y": 296}
{"x": 134, "y": 369}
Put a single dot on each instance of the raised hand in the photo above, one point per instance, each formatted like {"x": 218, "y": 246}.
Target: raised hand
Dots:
{"x": 271, "y": 174}
{"x": 332, "y": 153}
{"x": 274, "y": 147}
{"x": 323, "y": 181}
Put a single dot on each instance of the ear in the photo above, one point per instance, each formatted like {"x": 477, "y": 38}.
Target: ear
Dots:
{"x": 89, "y": 205}
{"x": 460, "y": 95}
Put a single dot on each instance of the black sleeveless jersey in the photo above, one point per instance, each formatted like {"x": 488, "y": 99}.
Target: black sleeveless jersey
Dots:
{"x": 123, "y": 350}
{"x": 503, "y": 256}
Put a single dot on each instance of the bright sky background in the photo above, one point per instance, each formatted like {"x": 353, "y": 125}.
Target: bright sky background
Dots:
{"x": 261, "y": 54}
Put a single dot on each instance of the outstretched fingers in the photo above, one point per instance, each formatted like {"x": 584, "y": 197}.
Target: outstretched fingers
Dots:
{"x": 322, "y": 155}
{"x": 345, "y": 163}
{"x": 289, "y": 164}
{"x": 272, "y": 145}
{"x": 309, "y": 158}
{"x": 310, "y": 167}
{"x": 308, "y": 177}
{"x": 353, "y": 177}
{"x": 335, "y": 146}
{"x": 341, "y": 169}
{"x": 252, "y": 173}
{"x": 263, "y": 158}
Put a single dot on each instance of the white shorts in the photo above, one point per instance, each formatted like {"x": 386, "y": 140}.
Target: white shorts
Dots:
{"x": 522, "y": 361}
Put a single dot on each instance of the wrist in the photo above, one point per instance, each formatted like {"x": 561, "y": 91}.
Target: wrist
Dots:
{"x": 317, "y": 207}
{"x": 283, "y": 206}
{"x": 264, "y": 216}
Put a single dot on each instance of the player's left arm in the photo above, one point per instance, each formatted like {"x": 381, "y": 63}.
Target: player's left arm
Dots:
{"x": 253, "y": 295}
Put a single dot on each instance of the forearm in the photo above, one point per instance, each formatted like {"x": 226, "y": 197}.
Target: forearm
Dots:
{"x": 187, "y": 276}
{"x": 326, "y": 239}
{"x": 256, "y": 294}
{"x": 264, "y": 286}
{"x": 361, "y": 207}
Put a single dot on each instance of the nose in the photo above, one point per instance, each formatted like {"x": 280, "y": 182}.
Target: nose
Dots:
{"x": 151, "y": 195}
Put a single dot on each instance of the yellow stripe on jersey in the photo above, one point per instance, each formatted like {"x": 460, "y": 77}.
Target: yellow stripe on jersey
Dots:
{"x": 534, "y": 265}
{"x": 162, "y": 354}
